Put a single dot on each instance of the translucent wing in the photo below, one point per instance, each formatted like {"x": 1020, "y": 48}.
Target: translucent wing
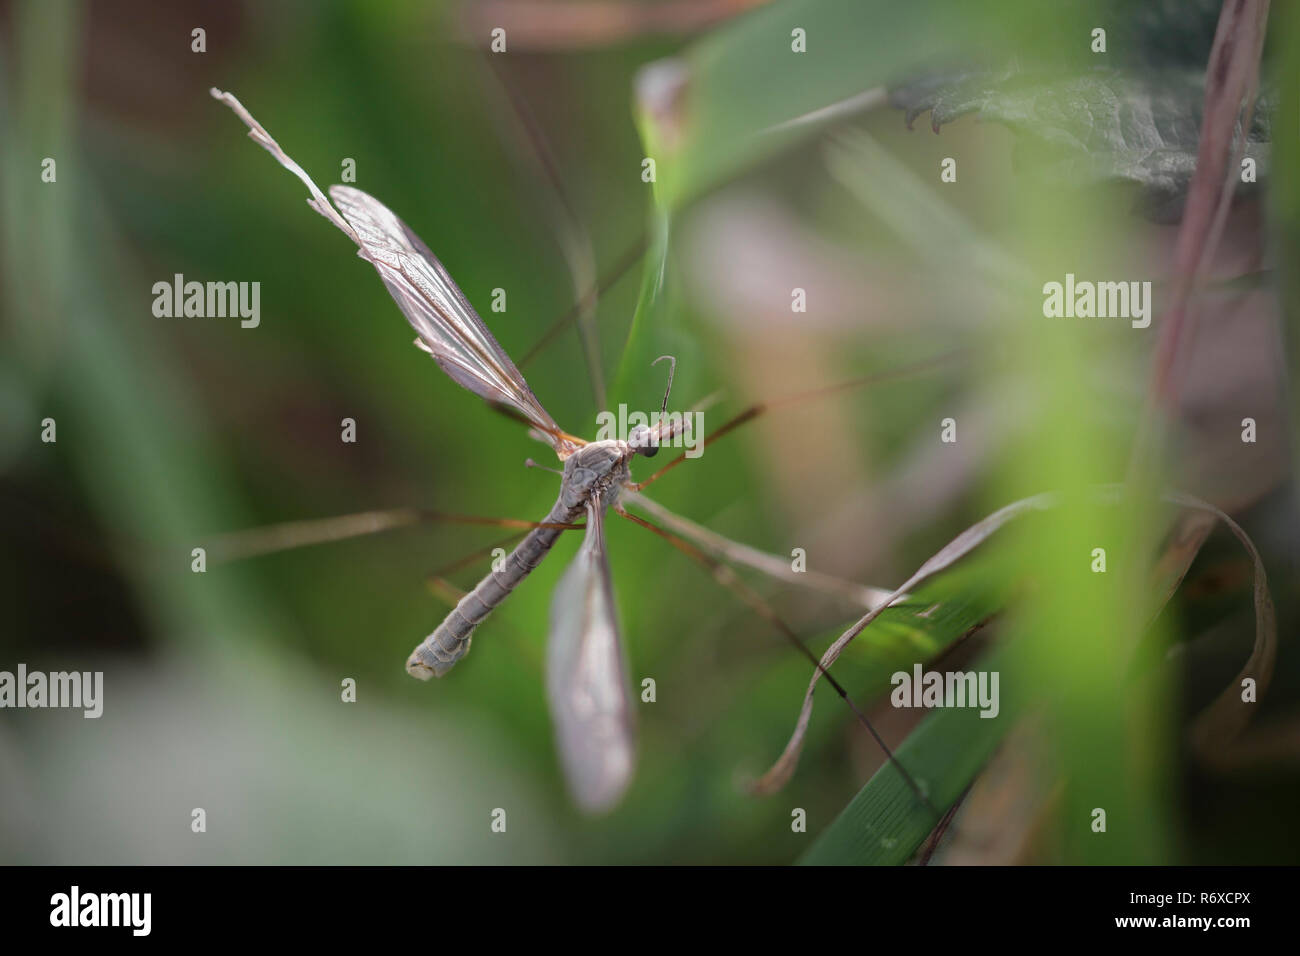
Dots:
{"x": 449, "y": 328}
{"x": 585, "y": 678}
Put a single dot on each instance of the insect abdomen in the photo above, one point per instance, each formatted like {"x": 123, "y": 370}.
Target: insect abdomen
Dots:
{"x": 449, "y": 642}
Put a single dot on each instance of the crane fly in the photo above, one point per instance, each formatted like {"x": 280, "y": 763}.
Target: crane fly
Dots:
{"x": 586, "y": 679}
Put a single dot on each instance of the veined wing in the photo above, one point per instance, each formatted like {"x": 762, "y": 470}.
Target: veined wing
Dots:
{"x": 585, "y": 678}
{"x": 449, "y": 328}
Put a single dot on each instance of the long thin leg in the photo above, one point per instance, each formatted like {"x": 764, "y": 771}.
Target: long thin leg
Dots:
{"x": 727, "y": 577}
{"x": 238, "y": 545}
{"x": 451, "y": 594}
{"x": 939, "y": 831}
{"x": 475, "y": 556}
{"x": 622, "y": 266}
{"x": 575, "y": 241}
{"x": 760, "y": 408}
{"x": 770, "y": 564}
{"x": 443, "y": 589}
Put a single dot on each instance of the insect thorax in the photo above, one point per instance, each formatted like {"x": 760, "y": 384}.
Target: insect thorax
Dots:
{"x": 600, "y": 467}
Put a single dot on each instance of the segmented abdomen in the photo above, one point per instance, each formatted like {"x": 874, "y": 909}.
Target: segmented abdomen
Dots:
{"x": 449, "y": 642}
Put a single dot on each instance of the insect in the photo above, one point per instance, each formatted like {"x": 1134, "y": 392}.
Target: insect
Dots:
{"x": 587, "y": 684}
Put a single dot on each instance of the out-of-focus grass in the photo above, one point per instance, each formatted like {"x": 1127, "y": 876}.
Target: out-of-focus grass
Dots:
{"x": 1075, "y": 637}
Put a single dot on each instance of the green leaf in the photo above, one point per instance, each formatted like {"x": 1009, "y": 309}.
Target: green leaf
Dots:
{"x": 885, "y": 823}
{"x": 1088, "y": 128}
{"x": 726, "y": 104}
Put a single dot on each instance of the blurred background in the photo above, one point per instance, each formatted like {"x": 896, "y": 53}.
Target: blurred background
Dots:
{"x": 776, "y": 169}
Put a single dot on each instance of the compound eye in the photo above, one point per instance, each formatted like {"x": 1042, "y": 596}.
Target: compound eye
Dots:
{"x": 641, "y": 441}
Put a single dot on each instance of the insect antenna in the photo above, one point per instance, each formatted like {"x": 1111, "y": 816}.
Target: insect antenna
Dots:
{"x": 672, "y": 370}
{"x": 727, "y": 577}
